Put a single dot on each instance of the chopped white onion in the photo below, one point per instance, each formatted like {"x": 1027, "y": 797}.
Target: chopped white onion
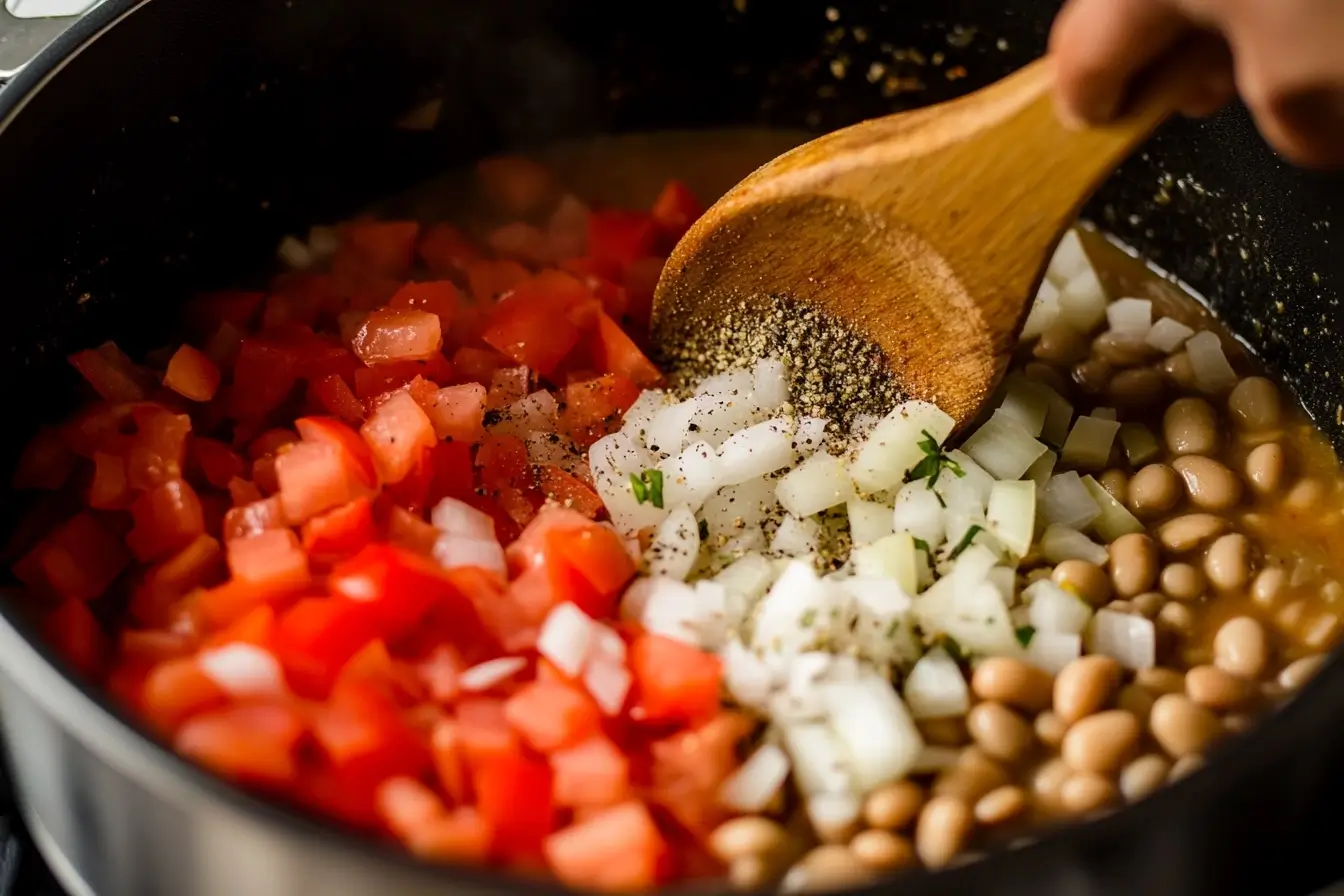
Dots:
{"x": 725, "y": 410}
{"x": 1011, "y": 514}
{"x": 664, "y": 606}
{"x": 976, "y": 617}
{"x": 756, "y": 451}
{"x": 863, "y": 424}
{"x": 891, "y": 557}
{"x": 1041, "y": 471}
{"x": 1114, "y": 520}
{"x": 608, "y": 683}
{"x": 1003, "y": 447}
{"x": 485, "y": 553}
{"x": 919, "y": 511}
{"x": 1058, "y": 418}
{"x": 1129, "y": 639}
{"x": 243, "y": 670}
{"x": 1044, "y": 311}
{"x": 1139, "y": 443}
{"x": 1065, "y": 501}
{"x": 833, "y": 811}
{"x": 736, "y": 507}
{"x": 879, "y": 621}
{"x": 770, "y": 384}
{"x": 668, "y": 431}
{"x": 795, "y": 613}
{"x": 868, "y": 521}
{"x": 1069, "y": 259}
{"x": 637, "y": 416}
{"x": 747, "y": 678}
{"x": 1060, "y": 543}
{"x": 756, "y": 781}
{"x": 819, "y": 761}
{"x": 818, "y": 483}
{"x": 1052, "y": 651}
{"x": 1130, "y": 317}
{"x": 892, "y": 449}
{"x": 1052, "y": 609}
{"x": 973, "y": 477}
{"x": 690, "y": 477}
{"x": 1082, "y": 302}
{"x": 1213, "y": 373}
{"x": 875, "y": 729}
{"x": 811, "y": 434}
{"x": 1168, "y": 334}
{"x": 1110, "y": 414}
{"x": 566, "y": 638}
{"x": 453, "y": 517}
{"x": 532, "y": 413}
{"x": 936, "y": 688}
{"x": 484, "y": 676}
{"x": 323, "y": 242}
{"x": 1026, "y": 401}
{"x": 748, "y": 577}
{"x": 1088, "y": 446}
{"x": 796, "y": 537}
{"x": 613, "y": 460}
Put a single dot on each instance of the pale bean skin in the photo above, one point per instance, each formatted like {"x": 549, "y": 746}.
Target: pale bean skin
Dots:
{"x": 1241, "y": 647}
{"x": 1047, "y": 781}
{"x": 1000, "y": 732}
{"x": 1177, "y": 618}
{"x": 1185, "y": 766}
{"x": 1000, "y": 805}
{"x": 1140, "y": 387}
{"x": 1190, "y": 426}
{"x": 882, "y": 850}
{"x": 828, "y": 867}
{"x": 750, "y": 835}
{"x": 1101, "y": 743}
{"x": 1268, "y": 585}
{"x": 1050, "y": 729}
{"x": 974, "y": 775}
{"x": 1154, "y": 490}
{"x": 893, "y": 806}
{"x": 1217, "y": 689}
{"x": 1160, "y": 680}
{"x": 1047, "y": 376}
{"x": 1087, "y": 580}
{"x": 1181, "y": 726}
{"x": 1254, "y": 404}
{"x": 942, "y": 830}
{"x": 1265, "y": 466}
{"x": 1180, "y": 371}
{"x": 1092, "y": 376}
{"x": 1305, "y": 495}
{"x": 1121, "y": 351}
{"x": 1299, "y": 672}
{"x": 1116, "y": 483}
{"x": 1086, "y": 792}
{"x": 749, "y": 873}
{"x": 1013, "y": 682}
{"x": 1134, "y": 565}
{"x": 944, "y": 732}
{"x": 1136, "y": 700}
{"x": 1084, "y": 686}
{"x": 1060, "y": 343}
{"x": 1181, "y": 581}
{"x": 1209, "y": 484}
{"x": 1143, "y": 776}
{"x": 1185, "y": 533}
{"x": 1149, "y": 604}
{"x": 1228, "y": 562}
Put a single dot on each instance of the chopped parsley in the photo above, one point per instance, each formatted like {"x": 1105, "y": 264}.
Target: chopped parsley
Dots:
{"x": 1024, "y": 634}
{"x": 954, "y": 649}
{"x": 965, "y": 542}
{"x": 808, "y": 618}
{"x": 648, "y": 487}
{"x": 934, "y": 462}
{"x": 922, "y": 545}
{"x": 893, "y": 628}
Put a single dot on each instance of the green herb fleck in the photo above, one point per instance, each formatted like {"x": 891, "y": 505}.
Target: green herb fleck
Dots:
{"x": 893, "y": 628}
{"x": 965, "y": 542}
{"x": 648, "y": 487}
{"x": 954, "y": 649}
{"x": 934, "y": 462}
{"x": 922, "y": 545}
{"x": 1024, "y": 634}
{"x": 808, "y": 618}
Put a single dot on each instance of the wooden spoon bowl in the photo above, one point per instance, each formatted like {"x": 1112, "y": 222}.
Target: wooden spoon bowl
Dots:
{"x": 925, "y": 233}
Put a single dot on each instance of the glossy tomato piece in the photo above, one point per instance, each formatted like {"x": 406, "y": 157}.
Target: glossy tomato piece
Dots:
{"x": 339, "y": 533}
{"x": 252, "y": 743}
{"x": 618, "y": 237}
{"x": 263, "y": 375}
{"x": 192, "y": 374}
{"x": 79, "y": 560}
{"x": 612, "y": 351}
{"x": 513, "y": 795}
{"x": 396, "y": 586}
{"x": 550, "y": 715}
{"x": 315, "y": 477}
{"x": 396, "y": 433}
{"x": 593, "y": 408}
{"x": 112, "y": 374}
{"x": 177, "y": 689}
{"x": 272, "y": 561}
{"x": 398, "y": 334}
{"x": 77, "y": 637}
{"x": 353, "y": 449}
{"x": 363, "y": 734}
{"x": 158, "y": 452}
{"x": 218, "y": 463}
{"x": 166, "y": 518}
{"x": 675, "y": 682}
{"x": 336, "y": 397}
{"x": 407, "y": 806}
{"x": 617, "y": 850}
{"x": 317, "y": 636}
{"x": 254, "y": 517}
{"x": 527, "y": 328}
{"x": 568, "y": 491}
{"x": 458, "y": 413}
{"x": 591, "y": 773}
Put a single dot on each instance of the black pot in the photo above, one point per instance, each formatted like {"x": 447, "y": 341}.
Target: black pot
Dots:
{"x": 163, "y": 145}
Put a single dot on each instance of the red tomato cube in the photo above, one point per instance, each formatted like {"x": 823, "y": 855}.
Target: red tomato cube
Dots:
{"x": 252, "y": 744}
{"x": 272, "y": 560}
{"x": 397, "y": 433}
{"x": 591, "y": 773}
{"x": 313, "y": 477}
{"x": 166, "y": 519}
{"x": 674, "y": 681}
{"x": 550, "y": 715}
{"x": 79, "y": 560}
{"x": 458, "y": 413}
{"x": 192, "y": 375}
{"x": 398, "y": 334}
{"x": 617, "y": 850}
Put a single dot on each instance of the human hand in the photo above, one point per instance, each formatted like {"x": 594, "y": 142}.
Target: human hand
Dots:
{"x": 1284, "y": 57}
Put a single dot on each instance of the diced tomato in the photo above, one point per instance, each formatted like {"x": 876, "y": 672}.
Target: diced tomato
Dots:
{"x": 108, "y": 489}
{"x": 568, "y": 491}
{"x": 46, "y": 461}
{"x": 386, "y": 248}
{"x": 690, "y": 766}
{"x": 158, "y": 453}
{"x": 355, "y": 451}
{"x": 616, "y": 850}
{"x": 593, "y": 408}
{"x": 439, "y": 297}
{"x": 508, "y": 385}
{"x": 263, "y": 375}
{"x": 272, "y": 560}
{"x": 591, "y": 773}
{"x": 640, "y": 281}
{"x": 513, "y": 795}
{"x": 316, "y": 637}
{"x": 520, "y": 240}
{"x": 151, "y": 647}
{"x": 441, "y": 673}
{"x": 675, "y": 210}
{"x": 406, "y": 529}
{"x": 374, "y": 666}
{"x": 446, "y": 251}
{"x": 237, "y": 308}
{"x": 618, "y": 237}
{"x": 79, "y": 560}
{"x": 254, "y": 518}
{"x": 484, "y": 733}
{"x": 396, "y": 433}
{"x": 614, "y": 352}
{"x": 527, "y": 328}
{"x": 218, "y": 463}
{"x": 176, "y": 690}
{"x": 192, "y": 375}
{"x": 407, "y": 806}
{"x": 77, "y": 637}
{"x": 458, "y": 413}
{"x": 551, "y": 715}
{"x": 450, "y": 762}
{"x": 397, "y": 586}
{"x": 255, "y": 627}
{"x": 597, "y": 554}
{"x": 674, "y": 681}
{"x": 488, "y": 280}
{"x": 111, "y": 374}
{"x": 337, "y": 398}
{"x": 314, "y": 477}
{"x": 570, "y": 559}
{"x": 362, "y": 733}
{"x": 398, "y": 334}
{"x": 252, "y": 743}
{"x": 339, "y": 533}
{"x": 167, "y": 582}
{"x": 453, "y": 472}
{"x": 461, "y": 835}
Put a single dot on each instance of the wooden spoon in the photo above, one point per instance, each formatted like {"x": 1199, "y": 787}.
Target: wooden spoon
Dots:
{"x": 928, "y": 232}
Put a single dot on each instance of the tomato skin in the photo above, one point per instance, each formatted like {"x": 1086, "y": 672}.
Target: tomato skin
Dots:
{"x": 551, "y": 715}
{"x": 616, "y": 850}
{"x": 568, "y": 491}
{"x": 337, "y": 398}
{"x": 526, "y": 327}
{"x": 340, "y": 532}
{"x": 73, "y": 632}
{"x": 674, "y": 681}
{"x": 177, "y": 689}
{"x": 675, "y": 210}
{"x": 593, "y": 408}
{"x": 513, "y": 795}
{"x": 192, "y": 374}
{"x": 313, "y": 477}
{"x": 458, "y": 413}
{"x": 398, "y": 334}
{"x": 249, "y": 743}
{"x": 316, "y": 637}
{"x": 396, "y": 433}
{"x": 618, "y": 237}
{"x": 397, "y": 587}
{"x": 158, "y": 452}
{"x": 79, "y": 560}
{"x": 613, "y": 351}
{"x": 272, "y": 561}
{"x": 362, "y": 733}
{"x": 218, "y": 463}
